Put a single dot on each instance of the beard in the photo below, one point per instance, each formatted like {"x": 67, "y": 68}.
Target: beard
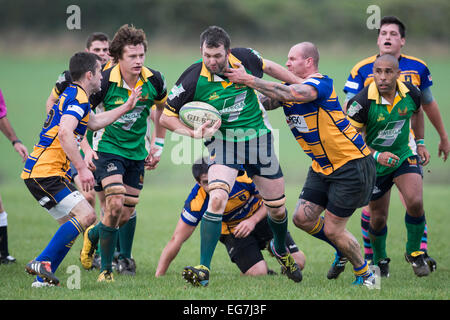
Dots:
{"x": 218, "y": 69}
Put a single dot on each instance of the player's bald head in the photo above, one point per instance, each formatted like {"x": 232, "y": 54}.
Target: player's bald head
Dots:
{"x": 307, "y": 50}
{"x": 386, "y": 59}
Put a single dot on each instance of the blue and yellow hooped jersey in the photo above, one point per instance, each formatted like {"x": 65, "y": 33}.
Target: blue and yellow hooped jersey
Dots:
{"x": 242, "y": 204}
{"x": 412, "y": 70}
{"x": 322, "y": 130}
{"x": 48, "y": 157}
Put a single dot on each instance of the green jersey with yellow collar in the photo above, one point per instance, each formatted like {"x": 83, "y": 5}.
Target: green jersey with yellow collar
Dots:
{"x": 387, "y": 126}
{"x": 242, "y": 116}
{"x": 126, "y": 136}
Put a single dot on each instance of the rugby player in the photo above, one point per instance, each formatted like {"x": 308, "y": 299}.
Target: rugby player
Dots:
{"x": 46, "y": 173}
{"x": 242, "y": 127}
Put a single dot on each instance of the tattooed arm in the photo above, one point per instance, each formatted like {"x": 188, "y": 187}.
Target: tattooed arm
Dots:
{"x": 268, "y": 103}
{"x": 277, "y": 91}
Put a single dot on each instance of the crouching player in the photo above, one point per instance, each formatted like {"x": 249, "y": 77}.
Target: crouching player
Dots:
{"x": 47, "y": 169}
{"x": 245, "y": 231}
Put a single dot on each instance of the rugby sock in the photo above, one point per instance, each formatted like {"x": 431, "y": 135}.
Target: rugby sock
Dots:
{"x": 61, "y": 243}
{"x": 378, "y": 241}
{"x": 3, "y": 234}
{"x": 362, "y": 271}
{"x": 126, "y": 237}
{"x": 210, "y": 230}
{"x": 318, "y": 232}
{"x": 279, "y": 230}
{"x": 424, "y": 242}
{"x": 365, "y": 221}
{"x": 415, "y": 227}
{"x": 108, "y": 240}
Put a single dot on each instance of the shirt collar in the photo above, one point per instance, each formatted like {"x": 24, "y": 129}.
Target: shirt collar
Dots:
{"x": 373, "y": 93}
{"x": 116, "y": 77}
{"x": 232, "y": 60}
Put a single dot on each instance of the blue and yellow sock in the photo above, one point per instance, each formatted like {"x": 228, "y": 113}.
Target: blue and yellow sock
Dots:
{"x": 319, "y": 233}
{"x": 61, "y": 243}
{"x": 210, "y": 230}
{"x": 362, "y": 271}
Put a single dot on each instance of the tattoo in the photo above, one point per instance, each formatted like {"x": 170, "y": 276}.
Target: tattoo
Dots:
{"x": 268, "y": 103}
{"x": 351, "y": 249}
{"x": 310, "y": 209}
{"x": 277, "y": 91}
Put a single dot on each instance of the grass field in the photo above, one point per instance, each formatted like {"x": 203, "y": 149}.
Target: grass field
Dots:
{"x": 26, "y": 82}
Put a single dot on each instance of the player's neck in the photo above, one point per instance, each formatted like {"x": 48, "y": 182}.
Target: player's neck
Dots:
{"x": 130, "y": 78}
{"x": 390, "y": 96}
{"x": 84, "y": 86}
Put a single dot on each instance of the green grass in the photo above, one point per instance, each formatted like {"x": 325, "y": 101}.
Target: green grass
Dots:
{"x": 26, "y": 82}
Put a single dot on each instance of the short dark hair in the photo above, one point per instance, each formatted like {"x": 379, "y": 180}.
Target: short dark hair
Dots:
{"x": 82, "y": 62}
{"x": 393, "y": 20}
{"x": 215, "y": 36}
{"x": 199, "y": 168}
{"x": 126, "y": 35}
{"x": 96, "y": 36}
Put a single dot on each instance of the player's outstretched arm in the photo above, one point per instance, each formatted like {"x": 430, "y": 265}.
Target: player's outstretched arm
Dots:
{"x": 294, "y": 92}
{"x": 182, "y": 232}
{"x": 277, "y": 71}
{"x": 101, "y": 120}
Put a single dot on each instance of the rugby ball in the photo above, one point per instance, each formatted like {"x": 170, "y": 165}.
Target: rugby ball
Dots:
{"x": 195, "y": 113}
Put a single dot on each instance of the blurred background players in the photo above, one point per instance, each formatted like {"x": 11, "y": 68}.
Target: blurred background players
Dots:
{"x": 391, "y": 40}
{"x": 387, "y": 110}
{"x": 8, "y": 131}
{"x": 245, "y": 231}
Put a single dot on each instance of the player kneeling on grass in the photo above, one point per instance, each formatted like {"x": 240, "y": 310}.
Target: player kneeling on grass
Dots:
{"x": 387, "y": 110}
{"x": 47, "y": 169}
{"x": 245, "y": 231}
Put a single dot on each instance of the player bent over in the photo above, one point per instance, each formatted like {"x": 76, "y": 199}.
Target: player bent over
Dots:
{"x": 245, "y": 231}
{"x": 47, "y": 169}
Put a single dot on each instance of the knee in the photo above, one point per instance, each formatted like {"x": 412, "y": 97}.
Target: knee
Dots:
{"x": 258, "y": 269}
{"x": 90, "y": 197}
{"x": 88, "y": 218}
{"x": 299, "y": 220}
{"x": 218, "y": 201}
{"x": 114, "y": 204}
{"x": 415, "y": 206}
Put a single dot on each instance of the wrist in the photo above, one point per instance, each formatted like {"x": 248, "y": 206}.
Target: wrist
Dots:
{"x": 16, "y": 141}
{"x": 420, "y": 142}
{"x": 376, "y": 155}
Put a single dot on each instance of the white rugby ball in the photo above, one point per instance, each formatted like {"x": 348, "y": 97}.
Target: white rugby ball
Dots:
{"x": 195, "y": 113}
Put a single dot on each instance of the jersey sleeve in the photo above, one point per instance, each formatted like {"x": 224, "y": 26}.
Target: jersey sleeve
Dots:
{"x": 194, "y": 207}
{"x": 97, "y": 98}
{"x": 75, "y": 108}
{"x": 425, "y": 78}
{"x": 251, "y": 60}
{"x": 358, "y": 109}
{"x": 63, "y": 81}
{"x": 159, "y": 82}
{"x": 183, "y": 91}
{"x": 354, "y": 84}
{"x": 322, "y": 87}
{"x": 415, "y": 94}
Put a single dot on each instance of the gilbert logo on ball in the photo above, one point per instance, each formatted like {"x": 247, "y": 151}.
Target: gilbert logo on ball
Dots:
{"x": 196, "y": 113}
